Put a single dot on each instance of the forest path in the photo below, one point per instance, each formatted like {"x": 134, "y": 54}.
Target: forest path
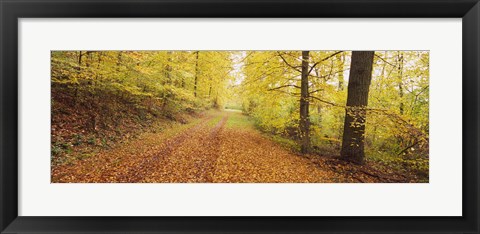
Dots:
{"x": 221, "y": 147}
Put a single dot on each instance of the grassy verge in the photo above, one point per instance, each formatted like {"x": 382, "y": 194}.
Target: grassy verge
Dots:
{"x": 237, "y": 120}
{"x": 417, "y": 167}
{"x": 216, "y": 117}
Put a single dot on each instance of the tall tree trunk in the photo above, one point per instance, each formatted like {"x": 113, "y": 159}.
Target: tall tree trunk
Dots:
{"x": 196, "y": 75}
{"x": 88, "y": 59}
{"x": 168, "y": 78}
{"x": 99, "y": 62}
{"x": 79, "y": 59}
{"x": 341, "y": 59}
{"x": 304, "y": 105}
{"x": 340, "y": 87}
{"x": 168, "y": 68}
{"x": 119, "y": 60}
{"x": 353, "y": 143}
{"x": 92, "y": 91}
{"x": 400, "y": 80}
{"x": 79, "y": 70}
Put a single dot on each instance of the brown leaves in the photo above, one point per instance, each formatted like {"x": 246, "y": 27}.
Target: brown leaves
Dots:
{"x": 249, "y": 157}
{"x": 215, "y": 149}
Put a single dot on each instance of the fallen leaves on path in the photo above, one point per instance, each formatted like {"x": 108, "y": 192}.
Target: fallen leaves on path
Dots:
{"x": 206, "y": 152}
{"x": 249, "y": 157}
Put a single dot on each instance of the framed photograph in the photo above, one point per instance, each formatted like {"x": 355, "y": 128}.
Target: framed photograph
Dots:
{"x": 224, "y": 116}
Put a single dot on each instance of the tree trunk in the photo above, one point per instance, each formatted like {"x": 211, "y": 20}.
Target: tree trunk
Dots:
{"x": 341, "y": 60}
{"x": 353, "y": 143}
{"x": 99, "y": 53}
{"x": 88, "y": 58}
{"x": 168, "y": 68}
{"x": 304, "y": 106}
{"x": 400, "y": 80}
{"x": 168, "y": 79}
{"x": 119, "y": 60}
{"x": 79, "y": 60}
{"x": 79, "y": 69}
{"x": 196, "y": 75}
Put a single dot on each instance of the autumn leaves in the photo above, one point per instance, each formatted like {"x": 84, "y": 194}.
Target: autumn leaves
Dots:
{"x": 357, "y": 101}
{"x": 365, "y": 107}
{"x": 223, "y": 147}
{"x": 314, "y": 97}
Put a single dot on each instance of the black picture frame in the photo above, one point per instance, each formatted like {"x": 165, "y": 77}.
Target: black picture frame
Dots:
{"x": 11, "y": 11}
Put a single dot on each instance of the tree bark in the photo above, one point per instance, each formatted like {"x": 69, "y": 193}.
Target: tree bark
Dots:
{"x": 400, "y": 80}
{"x": 353, "y": 143}
{"x": 80, "y": 60}
{"x": 168, "y": 68}
{"x": 88, "y": 58}
{"x": 168, "y": 78}
{"x": 304, "y": 105}
{"x": 196, "y": 75}
{"x": 341, "y": 59}
{"x": 119, "y": 60}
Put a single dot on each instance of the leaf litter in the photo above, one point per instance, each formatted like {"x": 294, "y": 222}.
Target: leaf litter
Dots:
{"x": 210, "y": 153}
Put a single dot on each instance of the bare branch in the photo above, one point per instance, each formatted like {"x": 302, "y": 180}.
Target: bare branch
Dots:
{"x": 245, "y": 58}
{"x": 318, "y": 90}
{"x": 378, "y": 56}
{"x": 282, "y": 91}
{"x": 410, "y": 146}
{"x": 288, "y": 64}
{"x": 328, "y": 57}
{"x": 327, "y": 102}
{"x": 332, "y": 73}
{"x": 283, "y": 86}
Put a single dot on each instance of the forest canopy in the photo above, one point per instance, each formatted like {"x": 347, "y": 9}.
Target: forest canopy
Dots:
{"x": 361, "y": 107}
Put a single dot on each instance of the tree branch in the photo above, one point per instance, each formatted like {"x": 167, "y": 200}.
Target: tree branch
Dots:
{"x": 282, "y": 91}
{"x": 385, "y": 60}
{"x": 283, "y": 86}
{"x": 328, "y": 57}
{"x": 315, "y": 91}
{"x": 327, "y": 102}
{"x": 288, "y": 64}
{"x": 412, "y": 145}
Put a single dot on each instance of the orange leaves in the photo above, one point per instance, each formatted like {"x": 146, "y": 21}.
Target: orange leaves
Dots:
{"x": 249, "y": 157}
{"x": 222, "y": 147}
